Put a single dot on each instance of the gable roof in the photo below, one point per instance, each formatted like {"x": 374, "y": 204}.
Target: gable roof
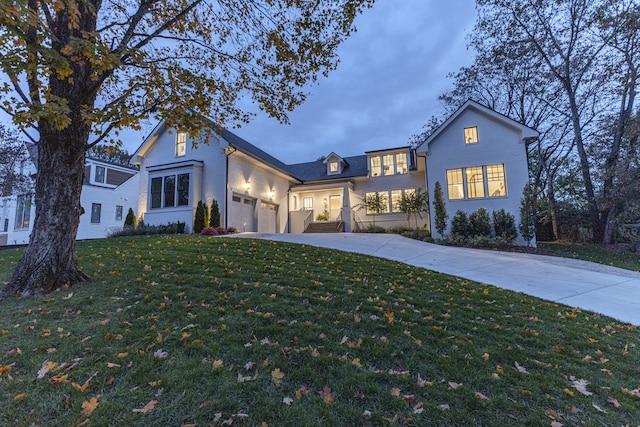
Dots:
{"x": 527, "y": 134}
{"x": 251, "y": 150}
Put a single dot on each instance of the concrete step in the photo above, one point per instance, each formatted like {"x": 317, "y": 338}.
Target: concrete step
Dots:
{"x": 325, "y": 227}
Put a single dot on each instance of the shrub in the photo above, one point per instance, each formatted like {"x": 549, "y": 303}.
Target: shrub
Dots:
{"x": 198, "y": 222}
{"x": 324, "y": 216}
{"x": 504, "y": 225}
{"x": 214, "y": 217}
{"x": 460, "y": 226}
{"x": 209, "y": 231}
{"x": 232, "y": 230}
{"x": 147, "y": 230}
{"x": 480, "y": 223}
{"x": 399, "y": 230}
{"x": 527, "y": 226}
{"x": 372, "y": 229}
{"x": 207, "y": 217}
{"x": 440, "y": 210}
{"x": 130, "y": 221}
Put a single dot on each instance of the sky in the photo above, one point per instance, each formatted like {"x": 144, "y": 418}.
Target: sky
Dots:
{"x": 384, "y": 90}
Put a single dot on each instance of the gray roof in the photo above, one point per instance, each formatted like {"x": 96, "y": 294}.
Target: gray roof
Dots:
{"x": 317, "y": 170}
{"x": 251, "y": 149}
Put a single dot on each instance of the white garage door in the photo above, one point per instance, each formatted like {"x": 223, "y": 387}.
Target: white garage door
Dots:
{"x": 267, "y": 218}
{"x": 243, "y": 216}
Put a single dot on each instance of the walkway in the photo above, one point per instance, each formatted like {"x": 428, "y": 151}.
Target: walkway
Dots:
{"x": 607, "y": 290}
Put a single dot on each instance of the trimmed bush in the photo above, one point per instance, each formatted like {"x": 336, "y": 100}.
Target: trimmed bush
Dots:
{"x": 440, "y": 209}
{"x": 504, "y": 225}
{"x": 480, "y": 223}
{"x": 130, "y": 221}
{"x": 460, "y": 226}
{"x": 214, "y": 216}
{"x": 147, "y": 230}
{"x": 198, "y": 222}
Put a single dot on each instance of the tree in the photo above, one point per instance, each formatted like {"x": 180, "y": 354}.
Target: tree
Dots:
{"x": 414, "y": 203}
{"x": 14, "y": 156}
{"x": 206, "y": 213}
{"x": 375, "y": 204}
{"x": 198, "y": 221}
{"x": 110, "y": 154}
{"x": 77, "y": 72}
{"x": 440, "y": 209}
{"x": 527, "y": 226}
{"x": 214, "y": 217}
{"x": 130, "y": 220}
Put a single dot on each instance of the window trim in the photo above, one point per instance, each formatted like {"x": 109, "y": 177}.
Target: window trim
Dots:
{"x": 96, "y": 213}
{"x": 467, "y": 184}
{"x": 159, "y": 194}
{"x": 181, "y": 144}
{"x": 471, "y": 135}
{"x": 103, "y": 174}
{"x": 119, "y": 209}
{"x": 389, "y": 164}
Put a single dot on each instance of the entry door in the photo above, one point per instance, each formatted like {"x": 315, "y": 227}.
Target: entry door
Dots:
{"x": 335, "y": 206}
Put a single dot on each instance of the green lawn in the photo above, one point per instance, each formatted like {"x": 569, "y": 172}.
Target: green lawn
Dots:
{"x": 191, "y": 330}
{"x": 599, "y": 254}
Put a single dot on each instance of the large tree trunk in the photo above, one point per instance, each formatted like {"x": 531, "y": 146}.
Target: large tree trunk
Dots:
{"x": 50, "y": 259}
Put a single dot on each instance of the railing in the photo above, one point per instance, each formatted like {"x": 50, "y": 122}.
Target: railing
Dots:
{"x": 308, "y": 219}
{"x": 356, "y": 220}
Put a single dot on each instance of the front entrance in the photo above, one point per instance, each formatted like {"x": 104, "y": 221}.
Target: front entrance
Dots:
{"x": 335, "y": 206}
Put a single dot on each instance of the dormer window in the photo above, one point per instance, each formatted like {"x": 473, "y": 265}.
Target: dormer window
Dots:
{"x": 333, "y": 167}
{"x": 471, "y": 135}
{"x": 335, "y": 164}
{"x": 388, "y": 164}
{"x": 100, "y": 173}
{"x": 181, "y": 144}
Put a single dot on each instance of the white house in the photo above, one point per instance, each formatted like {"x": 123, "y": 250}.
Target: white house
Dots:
{"x": 479, "y": 158}
{"x": 477, "y": 155}
{"x": 108, "y": 192}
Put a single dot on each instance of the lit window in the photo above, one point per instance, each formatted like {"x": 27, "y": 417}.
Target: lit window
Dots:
{"x": 376, "y": 168}
{"x": 181, "y": 144}
{"x": 23, "y": 212}
{"x": 471, "y": 135}
{"x": 475, "y": 182}
{"x": 333, "y": 167}
{"x": 377, "y": 203}
{"x": 118, "y": 213}
{"x": 401, "y": 163}
{"x": 455, "y": 187}
{"x": 307, "y": 203}
{"x": 165, "y": 192}
{"x": 100, "y": 172}
{"x": 387, "y": 164}
{"x": 396, "y": 198}
{"x": 96, "y": 209}
{"x": 495, "y": 180}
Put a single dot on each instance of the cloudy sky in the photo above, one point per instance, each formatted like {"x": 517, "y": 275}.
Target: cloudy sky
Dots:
{"x": 385, "y": 89}
{"x": 386, "y": 85}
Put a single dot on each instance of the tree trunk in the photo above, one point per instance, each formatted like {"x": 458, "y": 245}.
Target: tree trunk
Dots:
{"x": 553, "y": 208}
{"x": 50, "y": 259}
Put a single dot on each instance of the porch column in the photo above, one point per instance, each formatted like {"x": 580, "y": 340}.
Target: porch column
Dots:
{"x": 346, "y": 209}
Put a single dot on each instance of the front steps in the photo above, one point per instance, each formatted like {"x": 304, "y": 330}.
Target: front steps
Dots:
{"x": 325, "y": 227}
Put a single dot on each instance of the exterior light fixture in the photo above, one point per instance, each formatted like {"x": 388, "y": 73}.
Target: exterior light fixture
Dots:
{"x": 247, "y": 185}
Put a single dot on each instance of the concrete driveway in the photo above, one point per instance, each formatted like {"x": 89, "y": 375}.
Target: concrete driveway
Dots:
{"x": 607, "y": 290}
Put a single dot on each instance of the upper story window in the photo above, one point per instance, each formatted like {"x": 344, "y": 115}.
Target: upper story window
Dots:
{"x": 181, "y": 144}
{"x": 100, "y": 174}
{"x": 471, "y": 135}
{"x": 389, "y": 164}
{"x": 333, "y": 167}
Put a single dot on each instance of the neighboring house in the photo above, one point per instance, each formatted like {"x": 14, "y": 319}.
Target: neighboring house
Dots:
{"x": 479, "y": 157}
{"x": 108, "y": 191}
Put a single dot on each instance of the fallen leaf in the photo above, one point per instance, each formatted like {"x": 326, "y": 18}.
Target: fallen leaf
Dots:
{"x": 581, "y": 386}
{"x": 444, "y": 407}
{"x": 553, "y": 414}
{"x": 287, "y": 401}
{"x": 276, "y": 376}
{"x": 614, "y": 402}
{"x": 20, "y": 396}
{"x": 598, "y": 408}
{"x": 160, "y": 354}
{"x": 367, "y": 415}
{"x": 485, "y": 356}
{"x": 89, "y": 407}
{"x": 395, "y": 391}
{"x": 454, "y": 385}
{"x": 147, "y": 268}
{"x": 635, "y": 392}
{"x": 556, "y": 424}
{"x": 521, "y": 369}
{"x": 327, "y": 395}
{"x": 217, "y": 364}
{"x": 112, "y": 365}
{"x": 147, "y": 408}
{"x": 480, "y": 396}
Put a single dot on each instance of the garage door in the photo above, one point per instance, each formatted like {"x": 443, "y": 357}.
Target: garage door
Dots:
{"x": 267, "y": 218}
{"x": 243, "y": 216}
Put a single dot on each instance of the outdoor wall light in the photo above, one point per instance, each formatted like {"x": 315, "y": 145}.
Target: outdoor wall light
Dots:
{"x": 247, "y": 185}
{"x": 272, "y": 193}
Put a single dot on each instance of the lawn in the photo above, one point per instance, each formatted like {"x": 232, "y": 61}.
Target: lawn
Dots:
{"x": 600, "y": 254}
{"x": 192, "y": 330}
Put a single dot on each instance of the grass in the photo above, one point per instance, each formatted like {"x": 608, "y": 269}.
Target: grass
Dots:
{"x": 192, "y": 330}
{"x": 599, "y": 254}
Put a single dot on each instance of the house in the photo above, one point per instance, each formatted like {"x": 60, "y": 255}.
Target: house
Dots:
{"x": 477, "y": 155}
{"x": 108, "y": 191}
{"x": 479, "y": 158}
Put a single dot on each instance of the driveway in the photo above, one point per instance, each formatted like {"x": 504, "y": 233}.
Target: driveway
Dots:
{"x": 607, "y": 290}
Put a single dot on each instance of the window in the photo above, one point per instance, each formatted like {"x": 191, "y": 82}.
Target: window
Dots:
{"x": 23, "y": 212}
{"x": 236, "y": 198}
{"x": 475, "y": 182}
{"x": 376, "y": 169}
{"x": 100, "y": 173}
{"x": 307, "y": 203}
{"x": 377, "y": 203}
{"x": 118, "y": 213}
{"x": 181, "y": 144}
{"x": 165, "y": 193}
{"x": 473, "y": 186}
{"x": 333, "y": 167}
{"x": 495, "y": 181}
{"x": 471, "y": 135}
{"x": 454, "y": 184}
{"x": 96, "y": 208}
{"x": 396, "y": 198}
{"x": 387, "y": 164}
{"x": 401, "y": 163}
{"x": 6, "y": 225}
